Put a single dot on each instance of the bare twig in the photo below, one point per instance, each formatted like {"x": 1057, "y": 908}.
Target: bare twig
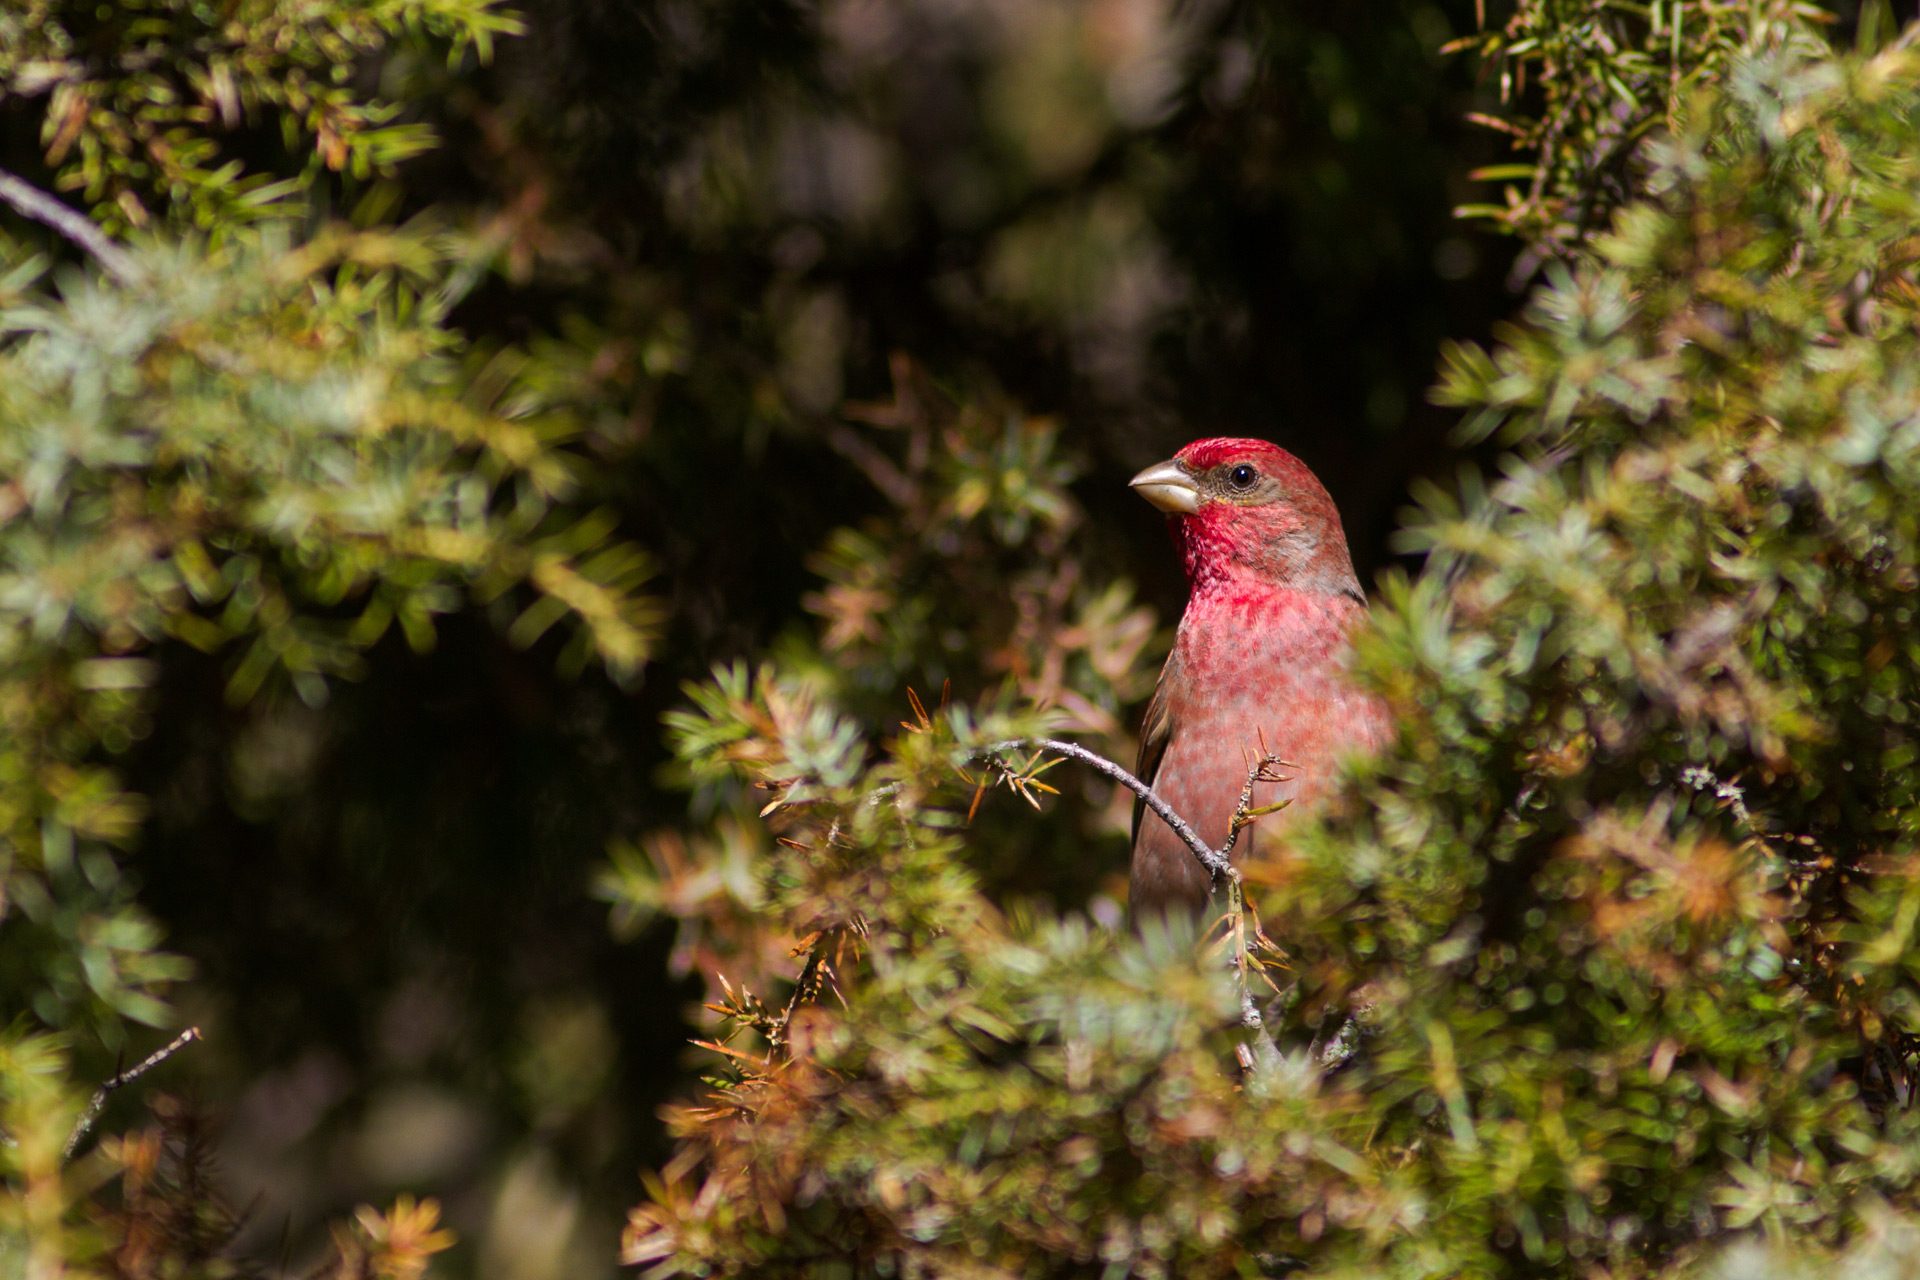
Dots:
{"x": 1262, "y": 1053}
{"x": 815, "y": 973}
{"x": 886, "y": 477}
{"x": 1265, "y": 769}
{"x": 1217, "y": 864}
{"x": 119, "y": 1078}
{"x": 31, "y": 202}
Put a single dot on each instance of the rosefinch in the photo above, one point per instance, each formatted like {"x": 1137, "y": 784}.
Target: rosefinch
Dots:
{"x": 1257, "y": 657}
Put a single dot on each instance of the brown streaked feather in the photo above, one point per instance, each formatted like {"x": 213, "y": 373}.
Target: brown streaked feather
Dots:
{"x": 1155, "y": 730}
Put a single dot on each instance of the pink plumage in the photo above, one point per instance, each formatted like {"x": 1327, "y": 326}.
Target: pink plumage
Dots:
{"x": 1258, "y": 656}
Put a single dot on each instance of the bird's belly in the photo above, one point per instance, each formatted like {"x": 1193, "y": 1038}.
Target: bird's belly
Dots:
{"x": 1206, "y": 766}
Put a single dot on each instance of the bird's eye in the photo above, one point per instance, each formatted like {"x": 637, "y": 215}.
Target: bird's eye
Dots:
{"x": 1242, "y": 476}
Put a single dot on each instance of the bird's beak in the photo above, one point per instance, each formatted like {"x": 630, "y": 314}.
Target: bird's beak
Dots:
{"x": 1167, "y": 486}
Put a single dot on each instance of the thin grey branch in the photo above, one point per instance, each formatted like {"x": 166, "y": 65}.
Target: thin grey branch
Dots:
{"x": 119, "y": 1078}
{"x": 1216, "y": 863}
{"x": 31, "y": 202}
{"x": 879, "y": 468}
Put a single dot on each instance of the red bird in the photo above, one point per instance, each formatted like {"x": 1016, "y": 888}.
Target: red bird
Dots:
{"x": 1257, "y": 656}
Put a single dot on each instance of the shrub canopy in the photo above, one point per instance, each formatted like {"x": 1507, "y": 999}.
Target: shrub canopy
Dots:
{"x": 1607, "y": 967}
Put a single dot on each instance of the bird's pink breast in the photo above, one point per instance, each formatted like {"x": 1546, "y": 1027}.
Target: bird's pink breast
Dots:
{"x": 1252, "y": 665}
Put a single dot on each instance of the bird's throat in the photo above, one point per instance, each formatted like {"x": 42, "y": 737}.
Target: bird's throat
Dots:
{"x": 1248, "y": 551}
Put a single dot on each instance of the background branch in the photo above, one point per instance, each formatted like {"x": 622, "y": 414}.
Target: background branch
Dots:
{"x": 100, "y": 1095}
{"x": 31, "y": 202}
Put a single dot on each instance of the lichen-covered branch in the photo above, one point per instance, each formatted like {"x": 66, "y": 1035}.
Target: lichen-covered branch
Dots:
{"x": 98, "y": 1103}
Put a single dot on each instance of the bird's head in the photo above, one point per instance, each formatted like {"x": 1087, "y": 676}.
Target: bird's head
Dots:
{"x": 1241, "y": 508}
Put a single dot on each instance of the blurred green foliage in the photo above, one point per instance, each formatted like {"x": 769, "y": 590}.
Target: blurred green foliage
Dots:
{"x": 773, "y": 372}
{"x": 137, "y": 95}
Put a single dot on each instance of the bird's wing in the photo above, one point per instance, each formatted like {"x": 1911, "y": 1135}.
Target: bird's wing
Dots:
{"x": 1154, "y": 732}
